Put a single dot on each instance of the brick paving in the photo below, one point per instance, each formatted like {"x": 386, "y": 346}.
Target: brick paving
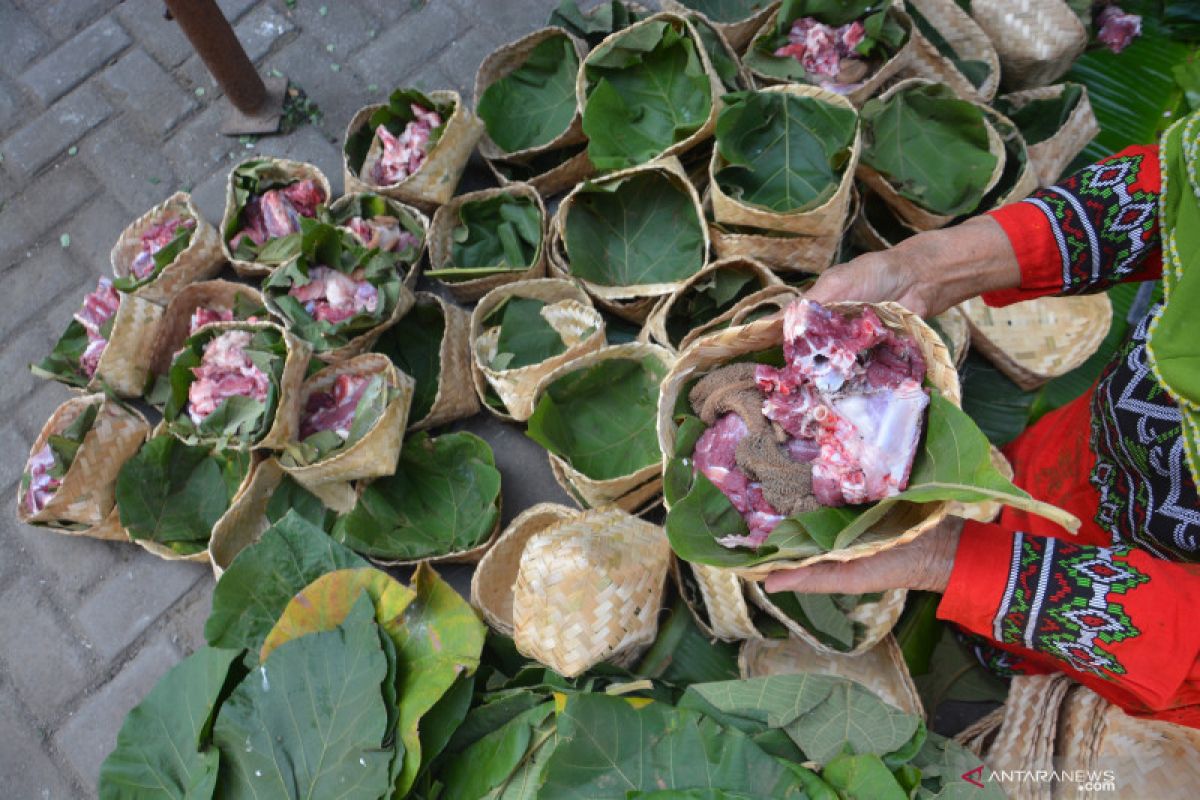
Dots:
{"x": 104, "y": 111}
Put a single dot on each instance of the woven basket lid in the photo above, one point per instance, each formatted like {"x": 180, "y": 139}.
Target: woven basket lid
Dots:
{"x": 880, "y": 668}
{"x": 589, "y": 589}
{"x": 1027, "y": 735}
{"x": 1036, "y": 340}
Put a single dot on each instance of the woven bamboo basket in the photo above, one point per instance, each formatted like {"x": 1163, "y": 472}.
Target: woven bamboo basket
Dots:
{"x": 906, "y": 210}
{"x": 441, "y": 243}
{"x": 504, "y": 60}
{"x": 246, "y": 493}
{"x": 717, "y": 602}
{"x": 979, "y": 735}
{"x": 243, "y": 524}
{"x": 1051, "y": 157}
{"x": 568, "y": 311}
{"x": 1037, "y": 40}
{"x": 1027, "y": 735}
{"x": 200, "y": 260}
{"x": 628, "y": 492}
{"x": 826, "y": 219}
{"x": 954, "y": 325}
{"x": 880, "y": 77}
{"x": 125, "y": 362}
{"x": 903, "y": 523}
{"x": 1149, "y": 758}
{"x": 176, "y": 324}
{"x": 1026, "y": 179}
{"x": 590, "y": 589}
{"x": 880, "y": 668}
{"x": 1036, "y": 340}
{"x": 656, "y": 325}
{"x": 574, "y": 169}
{"x": 715, "y": 88}
{"x": 413, "y": 272}
{"x": 436, "y": 179}
{"x": 965, "y": 38}
{"x": 812, "y": 254}
{"x": 83, "y": 502}
{"x": 759, "y": 305}
{"x": 616, "y": 298}
{"x": 737, "y": 33}
{"x": 286, "y": 421}
{"x": 282, "y": 170}
{"x": 471, "y": 555}
{"x": 494, "y": 579}
{"x": 455, "y": 398}
{"x": 376, "y": 453}
{"x": 878, "y": 619}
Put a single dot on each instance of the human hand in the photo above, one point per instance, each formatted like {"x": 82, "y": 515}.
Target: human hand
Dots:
{"x": 927, "y": 273}
{"x": 924, "y": 563}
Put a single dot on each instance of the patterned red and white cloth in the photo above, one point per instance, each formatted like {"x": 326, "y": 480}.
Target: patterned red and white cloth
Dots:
{"x": 1112, "y": 606}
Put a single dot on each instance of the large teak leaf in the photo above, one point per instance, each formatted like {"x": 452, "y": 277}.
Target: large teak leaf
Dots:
{"x": 525, "y": 337}
{"x": 781, "y": 152}
{"x": 533, "y": 105}
{"x": 642, "y": 229}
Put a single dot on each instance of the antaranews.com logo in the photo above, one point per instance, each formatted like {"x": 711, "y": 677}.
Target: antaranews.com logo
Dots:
{"x": 1083, "y": 780}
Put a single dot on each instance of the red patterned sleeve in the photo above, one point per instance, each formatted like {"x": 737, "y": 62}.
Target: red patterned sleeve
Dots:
{"x": 1114, "y": 618}
{"x": 1094, "y": 229}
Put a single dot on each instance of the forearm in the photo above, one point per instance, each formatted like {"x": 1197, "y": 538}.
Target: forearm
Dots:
{"x": 955, "y": 264}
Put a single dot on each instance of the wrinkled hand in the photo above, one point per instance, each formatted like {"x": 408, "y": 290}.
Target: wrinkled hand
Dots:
{"x": 925, "y": 563}
{"x": 927, "y": 273}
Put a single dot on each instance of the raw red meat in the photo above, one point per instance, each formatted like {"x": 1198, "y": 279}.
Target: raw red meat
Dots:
{"x": 404, "y": 155}
{"x": 1116, "y": 28}
{"x": 334, "y": 410}
{"x": 206, "y": 316}
{"x": 42, "y": 485}
{"x": 851, "y": 393}
{"x": 821, "y": 48}
{"x": 333, "y": 296}
{"x": 277, "y": 212}
{"x": 714, "y": 456}
{"x": 98, "y": 308}
{"x": 382, "y": 233}
{"x": 156, "y": 237}
{"x": 225, "y": 371}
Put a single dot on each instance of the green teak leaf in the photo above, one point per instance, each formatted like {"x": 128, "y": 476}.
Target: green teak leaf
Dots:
{"x": 414, "y": 346}
{"x": 535, "y": 103}
{"x": 525, "y": 335}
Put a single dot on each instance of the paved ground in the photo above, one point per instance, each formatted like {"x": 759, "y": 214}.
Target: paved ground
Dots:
{"x": 104, "y": 111}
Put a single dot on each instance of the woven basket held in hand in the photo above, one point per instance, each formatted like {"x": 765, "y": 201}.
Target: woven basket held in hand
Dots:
{"x": 176, "y": 324}
{"x": 1051, "y": 157}
{"x": 86, "y": 496}
{"x": 1036, "y": 340}
{"x": 826, "y": 219}
{"x": 494, "y": 578}
{"x": 568, "y": 311}
{"x": 1037, "y": 40}
{"x": 630, "y": 492}
{"x": 441, "y": 243}
{"x": 436, "y": 179}
{"x": 965, "y": 38}
{"x": 881, "y": 668}
{"x": 720, "y": 608}
{"x": 200, "y": 260}
{"x": 902, "y": 524}
{"x": 877, "y": 619}
{"x": 245, "y": 521}
{"x": 283, "y": 170}
{"x": 590, "y": 590}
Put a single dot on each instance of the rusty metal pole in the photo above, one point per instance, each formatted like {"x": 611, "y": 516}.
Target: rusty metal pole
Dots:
{"x": 257, "y": 106}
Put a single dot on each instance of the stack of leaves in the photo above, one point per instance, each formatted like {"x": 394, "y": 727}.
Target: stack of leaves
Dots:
{"x": 173, "y": 493}
{"x": 878, "y": 34}
{"x": 782, "y": 736}
{"x": 444, "y": 499}
{"x": 494, "y": 235}
{"x": 240, "y": 419}
{"x": 335, "y": 290}
{"x": 525, "y": 337}
{"x": 909, "y": 136}
{"x": 350, "y": 688}
{"x": 395, "y": 115}
{"x": 641, "y": 229}
{"x": 782, "y": 152}
{"x": 953, "y": 463}
{"x": 600, "y": 419}
{"x": 534, "y": 104}
{"x": 46, "y": 469}
{"x": 647, "y": 91}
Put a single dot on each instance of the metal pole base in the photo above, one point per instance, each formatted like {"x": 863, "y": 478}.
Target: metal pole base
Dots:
{"x": 265, "y": 120}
